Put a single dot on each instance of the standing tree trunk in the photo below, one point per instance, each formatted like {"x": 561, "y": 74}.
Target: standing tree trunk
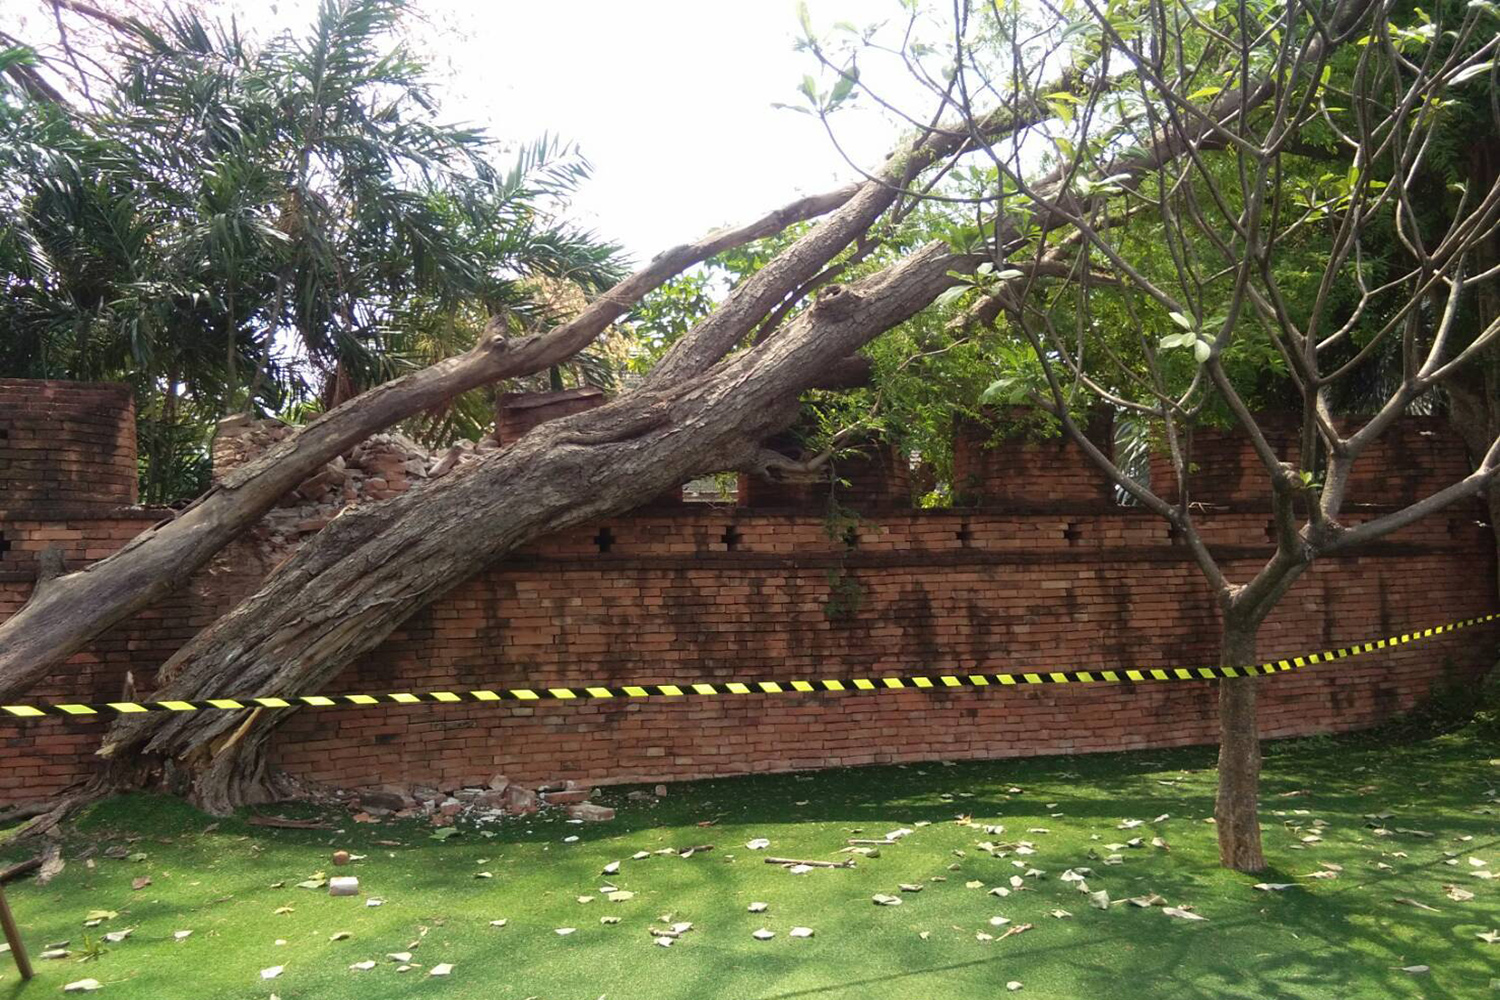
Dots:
{"x": 1236, "y": 806}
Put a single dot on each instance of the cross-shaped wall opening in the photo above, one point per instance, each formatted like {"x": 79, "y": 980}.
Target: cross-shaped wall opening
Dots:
{"x": 605, "y": 539}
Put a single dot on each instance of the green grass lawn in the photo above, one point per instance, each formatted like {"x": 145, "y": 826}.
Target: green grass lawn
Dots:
{"x": 1348, "y": 936}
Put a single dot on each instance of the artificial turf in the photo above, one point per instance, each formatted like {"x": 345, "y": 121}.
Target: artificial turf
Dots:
{"x": 1351, "y": 935}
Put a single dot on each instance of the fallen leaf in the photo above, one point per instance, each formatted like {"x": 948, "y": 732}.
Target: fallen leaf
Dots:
{"x": 1275, "y": 886}
{"x": 182, "y": 935}
{"x": 609, "y": 920}
{"x": 272, "y": 972}
{"x": 82, "y": 986}
{"x": 565, "y": 931}
{"x": 365, "y": 966}
{"x": 1458, "y": 895}
{"x": 620, "y": 896}
{"x": 340, "y": 936}
{"x": 399, "y": 956}
{"x": 115, "y": 937}
{"x": 999, "y": 921}
{"x": 1059, "y": 914}
{"x": 1175, "y": 911}
{"x": 758, "y": 907}
{"x": 763, "y": 934}
{"x": 880, "y": 899}
{"x": 664, "y": 942}
{"x": 758, "y": 844}
{"x": 1013, "y": 985}
{"x": 1489, "y": 937}
{"x": 974, "y": 884}
{"x": 910, "y": 887}
{"x": 441, "y": 969}
{"x": 498, "y": 923}
{"x": 1099, "y": 900}
{"x": 800, "y": 932}
{"x": 612, "y": 868}
{"x": 1416, "y": 970}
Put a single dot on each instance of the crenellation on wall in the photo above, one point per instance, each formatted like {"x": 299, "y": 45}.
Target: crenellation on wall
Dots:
{"x": 1415, "y": 457}
{"x": 66, "y": 442}
{"x": 1014, "y": 459}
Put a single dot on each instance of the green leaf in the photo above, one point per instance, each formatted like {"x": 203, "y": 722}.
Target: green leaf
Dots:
{"x": 810, "y": 88}
{"x": 1202, "y": 350}
{"x": 445, "y": 833}
{"x": 804, "y": 18}
{"x": 845, "y": 86}
{"x": 951, "y": 296}
{"x": 1203, "y": 92}
{"x": 1181, "y": 320}
{"x": 1476, "y": 70}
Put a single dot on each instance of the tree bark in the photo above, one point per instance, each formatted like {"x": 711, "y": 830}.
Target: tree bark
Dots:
{"x": 1236, "y": 806}
{"x": 374, "y": 566}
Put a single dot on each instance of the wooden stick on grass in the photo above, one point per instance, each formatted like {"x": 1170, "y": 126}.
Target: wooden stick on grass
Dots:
{"x": 13, "y": 938}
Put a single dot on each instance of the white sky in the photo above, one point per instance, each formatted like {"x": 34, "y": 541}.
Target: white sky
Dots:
{"x": 669, "y": 99}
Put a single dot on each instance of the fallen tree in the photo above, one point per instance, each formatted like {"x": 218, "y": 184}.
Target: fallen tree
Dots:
{"x": 709, "y": 404}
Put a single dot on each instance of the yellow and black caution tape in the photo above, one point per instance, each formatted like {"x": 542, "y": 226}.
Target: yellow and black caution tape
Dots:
{"x": 721, "y": 688}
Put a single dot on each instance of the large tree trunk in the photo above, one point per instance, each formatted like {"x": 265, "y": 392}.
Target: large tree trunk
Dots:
{"x": 1236, "y": 807}
{"x": 373, "y": 567}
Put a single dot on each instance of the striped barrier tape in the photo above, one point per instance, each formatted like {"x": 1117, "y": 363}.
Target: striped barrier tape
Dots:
{"x": 719, "y": 688}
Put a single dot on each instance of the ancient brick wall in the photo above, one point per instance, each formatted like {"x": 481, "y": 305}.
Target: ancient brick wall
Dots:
{"x": 1044, "y": 573}
{"x": 66, "y": 442}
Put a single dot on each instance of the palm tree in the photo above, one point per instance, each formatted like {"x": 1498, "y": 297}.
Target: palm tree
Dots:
{"x": 268, "y": 228}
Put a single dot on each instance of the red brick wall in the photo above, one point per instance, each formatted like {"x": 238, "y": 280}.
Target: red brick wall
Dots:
{"x": 66, "y": 442}
{"x": 720, "y": 594}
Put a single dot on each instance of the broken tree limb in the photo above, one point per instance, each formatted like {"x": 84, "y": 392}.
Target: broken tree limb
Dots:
{"x": 849, "y": 863}
{"x": 20, "y": 868}
{"x": 565, "y": 472}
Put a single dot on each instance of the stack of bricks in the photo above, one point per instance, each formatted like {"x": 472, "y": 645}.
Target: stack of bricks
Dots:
{"x": 1044, "y": 573}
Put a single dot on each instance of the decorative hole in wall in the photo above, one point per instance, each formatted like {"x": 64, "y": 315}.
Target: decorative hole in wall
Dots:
{"x": 1271, "y": 530}
{"x": 964, "y": 534}
{"x": 605, "y": 539}
{"x": 1073, "y": 533}
{"x": 1174, "y": 534}
{"x": 851, "y": 537}
{"x": 731, "y": 538}
{"x": 4, "y": 545}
